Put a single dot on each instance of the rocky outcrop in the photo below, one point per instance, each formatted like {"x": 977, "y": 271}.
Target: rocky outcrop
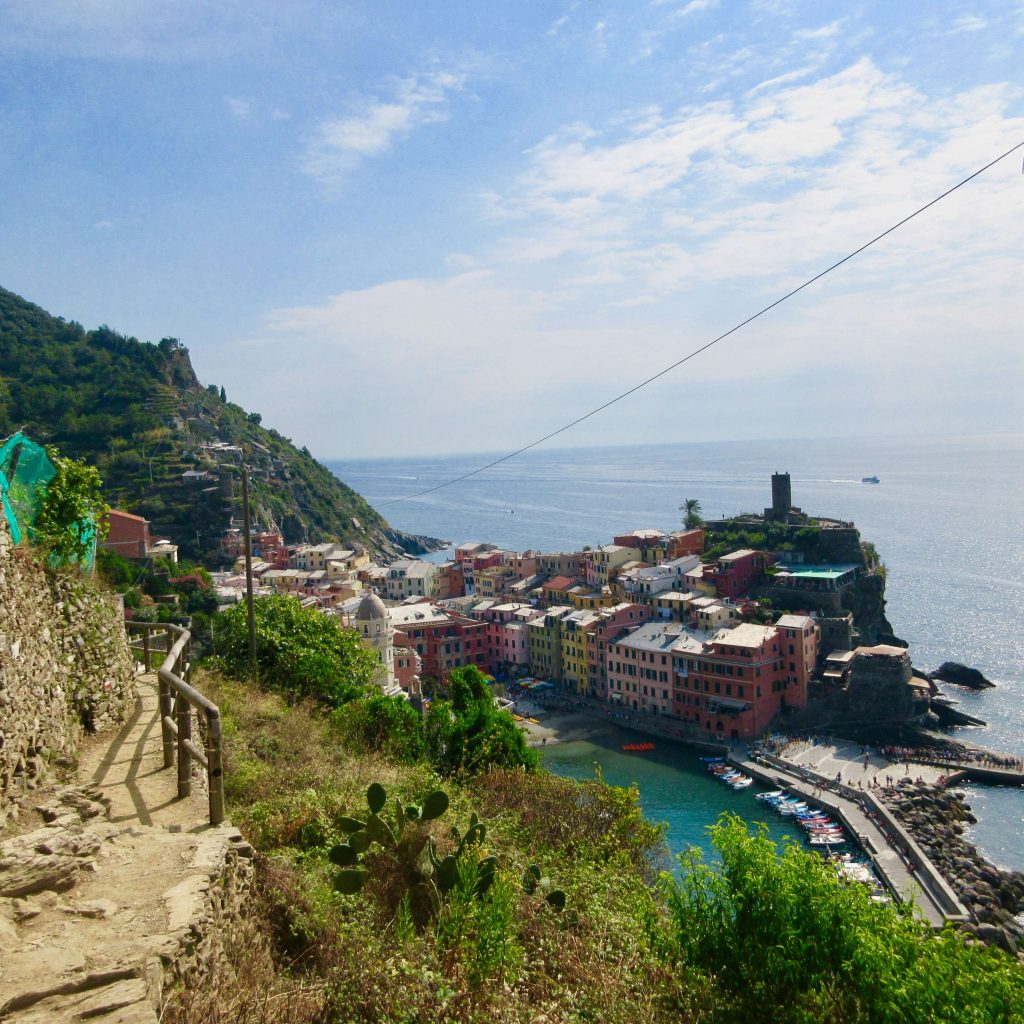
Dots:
{"x": 962, "y": 675}
{"x": 65, "y": 667}
{"x": 935, "y": 817}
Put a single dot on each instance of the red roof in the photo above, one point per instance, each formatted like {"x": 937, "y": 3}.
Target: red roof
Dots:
{"x": 126, "y": 515}
{"x": 558, "y": 583}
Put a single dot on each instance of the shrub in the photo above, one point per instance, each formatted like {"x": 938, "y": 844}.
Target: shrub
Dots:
{"x": 299, "y": 650}
{"x": 468, "y": 734}
{"x": 72, "y": 513}
{"x": 784, "y": 939}
{"x": 390, "y": 725}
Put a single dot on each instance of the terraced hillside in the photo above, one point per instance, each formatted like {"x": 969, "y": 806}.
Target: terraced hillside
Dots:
{"x": 137, "y": 411}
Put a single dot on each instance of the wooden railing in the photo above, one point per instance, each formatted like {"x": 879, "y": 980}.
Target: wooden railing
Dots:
{"x": 177, "y": 699}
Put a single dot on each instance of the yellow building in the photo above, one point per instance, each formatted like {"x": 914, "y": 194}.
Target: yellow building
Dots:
{"x": 545, "y": 639}
{"x": 575, "y": 671}
{"x": 584, "y": 598}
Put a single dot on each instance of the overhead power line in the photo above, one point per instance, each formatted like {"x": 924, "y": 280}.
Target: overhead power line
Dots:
{"x": 703, "y": 348}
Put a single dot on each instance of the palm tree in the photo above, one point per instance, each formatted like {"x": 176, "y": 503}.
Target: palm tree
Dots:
{"x": 691, "y": 514}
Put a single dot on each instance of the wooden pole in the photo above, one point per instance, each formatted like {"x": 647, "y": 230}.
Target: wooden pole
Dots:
{"x": 248, "y": 568}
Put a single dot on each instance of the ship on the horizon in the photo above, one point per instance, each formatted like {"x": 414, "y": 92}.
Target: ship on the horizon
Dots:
{"x": 870, "y": 480}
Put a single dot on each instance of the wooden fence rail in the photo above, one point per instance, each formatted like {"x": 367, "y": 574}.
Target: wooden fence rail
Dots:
{"x": 177, "y": 699}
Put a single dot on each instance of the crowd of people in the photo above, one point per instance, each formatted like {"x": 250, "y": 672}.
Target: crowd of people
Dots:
{"x": 951, "y": 755}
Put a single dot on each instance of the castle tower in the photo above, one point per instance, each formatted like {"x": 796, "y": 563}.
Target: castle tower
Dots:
{"x": 782, "y": 494}
{"x": 377, "y": 634}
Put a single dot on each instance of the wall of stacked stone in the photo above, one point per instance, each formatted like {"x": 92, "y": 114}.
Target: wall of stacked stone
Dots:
{"x": 65, "y": 667}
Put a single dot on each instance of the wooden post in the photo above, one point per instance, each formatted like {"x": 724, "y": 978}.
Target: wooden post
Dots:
{"x": 247, "y": 525}
{"x": 166, "y": 711}
{"x": 215, "y": 768}
{"x": 147, "y": 653}
{"x": 184, "y": 717}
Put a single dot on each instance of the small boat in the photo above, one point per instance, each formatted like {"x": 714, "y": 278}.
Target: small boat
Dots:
{"x": 870, "y": 480}
{"x": 770, "y": 796}
{"x": 790, "y": 810}
{"x": 713, "y": 760}
{"x": 826, "y": 841}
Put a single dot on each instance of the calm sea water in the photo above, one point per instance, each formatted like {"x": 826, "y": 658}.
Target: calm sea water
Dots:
{"x": 945, "y": 518}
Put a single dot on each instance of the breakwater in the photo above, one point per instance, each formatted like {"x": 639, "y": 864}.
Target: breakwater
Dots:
{"x": 936, "y": 818}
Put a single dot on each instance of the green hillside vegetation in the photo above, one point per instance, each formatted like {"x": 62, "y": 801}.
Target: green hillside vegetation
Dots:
{"x": 137, "y": 412}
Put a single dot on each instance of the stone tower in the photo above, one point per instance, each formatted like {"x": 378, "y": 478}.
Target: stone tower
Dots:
{"x": 782, "y": 498}
{"x": 377, "y": 634}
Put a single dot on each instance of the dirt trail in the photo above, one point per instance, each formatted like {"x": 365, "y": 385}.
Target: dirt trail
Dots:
{"x": 115, "y": 891}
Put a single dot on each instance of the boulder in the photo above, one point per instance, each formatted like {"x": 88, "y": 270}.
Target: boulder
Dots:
{"x": 962, "y": 675}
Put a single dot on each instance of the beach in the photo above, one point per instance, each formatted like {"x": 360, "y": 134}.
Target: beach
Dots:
{"x": 544, "y": 727}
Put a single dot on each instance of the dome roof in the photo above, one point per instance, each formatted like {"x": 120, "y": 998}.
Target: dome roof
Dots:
{"x": 371, "y": 607}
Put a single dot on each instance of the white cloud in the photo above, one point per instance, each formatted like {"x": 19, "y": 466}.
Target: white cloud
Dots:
{"x": 239, "y": 107}
{"x": 689, "y": 8}
{"x": 823, "y": 32}
{"x": 968, "y": 23}
{"x": 340, "y": 143}
{"x": 620, "y": 247}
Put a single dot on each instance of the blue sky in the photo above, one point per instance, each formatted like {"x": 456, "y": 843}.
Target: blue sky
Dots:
{"x": 399, "y": 228}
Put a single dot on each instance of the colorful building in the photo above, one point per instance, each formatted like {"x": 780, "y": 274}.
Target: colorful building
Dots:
{"x": 545, "y": 638}
{"x": 733, "y": 685}
{"x": 734, "y": 574}
{"x": 610, "y": 624}
{"x": 639, "y": 668}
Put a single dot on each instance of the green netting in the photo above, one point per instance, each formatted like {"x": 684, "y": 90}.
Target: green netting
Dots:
{"x": 25, "y": 470}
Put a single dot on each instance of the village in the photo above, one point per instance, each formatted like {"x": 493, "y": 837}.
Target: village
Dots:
{"x": 642, "y": 624}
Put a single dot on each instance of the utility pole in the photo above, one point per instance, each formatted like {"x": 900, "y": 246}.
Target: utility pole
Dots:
{"x": 247, "y": 526}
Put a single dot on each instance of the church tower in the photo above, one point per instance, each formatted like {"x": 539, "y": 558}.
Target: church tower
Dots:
{"x": 377, "y": 634}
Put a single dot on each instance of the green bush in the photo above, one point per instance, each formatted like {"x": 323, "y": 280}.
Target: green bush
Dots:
{"x": 299, "y": 651}
{"x": 784, "y": 939}
{"x": 72, "y": 513}
{"x": 390, "y": 725}
{"x": 467, "y": 734}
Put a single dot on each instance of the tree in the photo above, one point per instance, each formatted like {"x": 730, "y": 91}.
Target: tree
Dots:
{"x": 468, "y": 734}
{"x": 72, "y": 513}
{"x": 299, "y": 650}
{"x": 691, "y": 514}
{"x": 785, "y": 939}
{"x": 223, "y": 394}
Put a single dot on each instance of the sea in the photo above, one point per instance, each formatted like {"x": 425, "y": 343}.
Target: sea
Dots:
{"x": 945, "y": 517}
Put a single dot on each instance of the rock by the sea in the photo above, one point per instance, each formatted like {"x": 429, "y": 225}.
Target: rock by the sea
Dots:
{"x": 961, "y": 675}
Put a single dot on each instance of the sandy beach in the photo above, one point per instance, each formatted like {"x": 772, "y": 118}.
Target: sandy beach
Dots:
{"x": 544, "y": 727}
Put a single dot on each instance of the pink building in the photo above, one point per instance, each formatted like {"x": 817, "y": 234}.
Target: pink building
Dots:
{"x": 611, "y": 624}
{"x": 639, "y": 668}
{"x": 734, "y": 574}
{"x": 508, "y": 638}
{"x": 733, "y": 685}
{"x": 408, "y": 667}
{"x": 129, "y": 535}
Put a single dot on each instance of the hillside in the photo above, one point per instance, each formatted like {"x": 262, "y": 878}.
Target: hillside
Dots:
{"x": 138, "y": 412}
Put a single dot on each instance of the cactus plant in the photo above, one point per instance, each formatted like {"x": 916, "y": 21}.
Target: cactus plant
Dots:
{"x": 534, "y": 884}
{"x": 440, "y": 875}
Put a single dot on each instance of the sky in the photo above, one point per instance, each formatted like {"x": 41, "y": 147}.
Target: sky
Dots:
{"x": 454, "y": 225}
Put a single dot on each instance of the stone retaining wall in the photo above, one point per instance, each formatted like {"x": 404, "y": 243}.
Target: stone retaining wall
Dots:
{"x": 64, "y": 667}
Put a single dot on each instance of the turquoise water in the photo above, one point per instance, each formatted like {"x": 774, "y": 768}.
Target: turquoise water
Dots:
{"x": 945, "y": 519}
{"x": 674, "y": 785}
